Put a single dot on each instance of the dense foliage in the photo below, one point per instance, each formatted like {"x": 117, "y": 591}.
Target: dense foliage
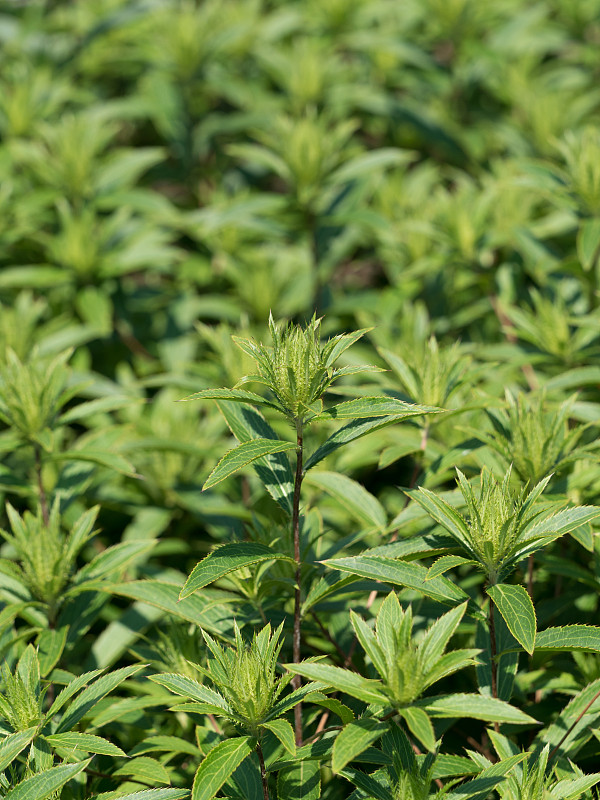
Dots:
{"x": 362, "y": 239}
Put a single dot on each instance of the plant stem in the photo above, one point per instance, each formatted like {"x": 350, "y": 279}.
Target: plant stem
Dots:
{"x": 296, "y": 644}
{"x": 41, "y": 490}
{"x": 263, "y": 772}
{"x": 589, "y": 705}
{"x": 493, "y": 658}
{"x": 530, "y": 564}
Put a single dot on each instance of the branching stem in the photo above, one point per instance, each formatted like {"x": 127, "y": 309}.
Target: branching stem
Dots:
{"x": 296, "y": 644}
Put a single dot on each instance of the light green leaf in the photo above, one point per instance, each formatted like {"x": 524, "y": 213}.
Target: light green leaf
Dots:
{"x": 569, "y": 637}
{"x": 369, "y": 787}
{"x": 84, "y": 741}
{"x": 573, "y": 788}
{"x": 302, "y": 781}
{"x": 11, "y": 746}
{"x": 187, "y": 687}
{"x": 400, "y": 573}
{"x": 282, "y": 729}
{"x": 348, "y": 433}
{"x": 43, "y": 785}
{"x": 369, "y": 691}
{"x": 354, "y": 497}
{"x": 111, "y": 460}
{"x": 274, "y": 470}
{"x": 444, "y": 563}
{"x": 515, "y": 605}
{"x": 588, "y": 243}
{"x": 243, "y": 455}
{"x": 475, "y": 706}
{"x": 420, "y": 726}
{"x": 367, "y": 407}
{"x": 227, "y": 559}
{"x": 481, "y": 786}
{"x": 232, "y": 395}
{"x": 145, "y": 769}
{"x": 354, "y": 739}
{"x": 579, "y": 718}
{"x": 219, "y": 765}
{"x": 92, "y": 695}
{"x": 149, "y": 794}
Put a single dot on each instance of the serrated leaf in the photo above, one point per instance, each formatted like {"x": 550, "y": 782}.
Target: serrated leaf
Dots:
{"x": 476, "y": 706}
{"x": 569, "y": 637}
{"x": 145, "y": 769}
{"x": 348, "y": 433}
{"x": 369, "y": 691}
{"x": 353, "y": 739}
{"x": 219, "y": 765}
{"x": 243, "y": 455}
{"x": 401, "y": 573}
{"x": 274, "y": 470}
{"x": 282, "y": 729}
{"x": 515, "y": 605}
{"x": 232, "y": 395}
{"x": 367, "y": 407}
{"x": 420, "y": 726}
{"x": 445, "y": 563}
{"x": 227, "y": 559}
{"x": 92, "y": 695}
{"x": 43, "y": 784}
{"x": 87, "y": 742}
{"x": 187, "y": 687}
{"x": 13, "y": 744}
{"x": 150, "y": 794}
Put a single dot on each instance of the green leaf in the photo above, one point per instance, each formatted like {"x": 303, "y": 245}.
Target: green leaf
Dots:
{"x": 475, "y": 706}
{"x": 219, "y": 765}
{"x": 400, "y": 573}
{"x": 515, "y": 605}
{"x": 92, "y": 695}
{"x": 481, "y": 786}
{"x": 354, "y": 497}
{"x": 354, "y": 739}
{"x": 146, "y": 769}
{"x": 348, "y": 433}
{"x": 445, "y": 563}
{"x": 302, "y": 781}
{"x": 43, "y": 785}
{"x": 274, "y": 470}
{"x": 187, "y": 687}
{"x": 569, "y": 637}
{"x": 232, "y": 395}
{"x": 227, "y": 559}
{"x": 420, "y": 726}
{"x": 51, "y": 643}
{"x": 579, "y": 718}
{"x": 243, "y": 455}
{"x": 573, "y": 788}
{"x": 369, "y": 787}
{"x": 282, "y": 729}
{"x": 588, "y": 243}
{"x": 13, "y": 744}
{"x": 84, "y": 741}
{"x": 111, "y": 460}
{"x": 367, "y": 407}
{"x": 334, "y": 705}
{"x": 369, "y": 691}
{"x": 150, "y": 794}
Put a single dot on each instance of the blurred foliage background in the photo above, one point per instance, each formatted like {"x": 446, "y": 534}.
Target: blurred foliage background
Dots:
{"x": 171, "y": 171}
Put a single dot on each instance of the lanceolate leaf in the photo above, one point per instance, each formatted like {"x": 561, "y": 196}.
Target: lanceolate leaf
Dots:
{"x": 282, "y": 729}
{"x": 233, "y": 395}
{"x": 227, "y": 559}
{"x": 11, "y": 746}
{"x": 43, "y": 785}
{"x": 369, "y": 691}
{"x": 218, "y": 766}
{"x": 401, "y": 573}
{"x": 302, "y": 781}
{"x": 366, "y": 407}
{"x": 445, "y": 563}
{"x": 570, "y": 637}
{"x": 156, "y": 794}
{"x": 420, "y": 726}
{"x": 243, "y": 455}
{"x": 354, "y": 739}
{"x": 348, "y": 433}
{"x": 73, "y": 740}
{"x": 476, "y": 706}
{"x": 274, "y": 470}
{"x": 515, "y": 605}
